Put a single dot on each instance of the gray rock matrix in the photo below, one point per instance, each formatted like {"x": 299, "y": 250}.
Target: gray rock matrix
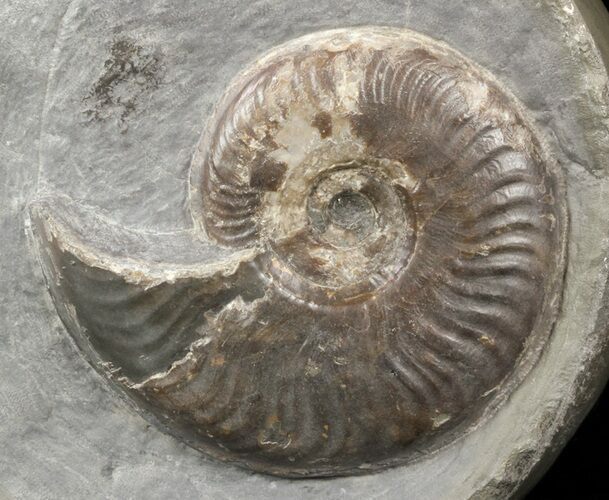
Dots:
{"x": 104, "y": 102}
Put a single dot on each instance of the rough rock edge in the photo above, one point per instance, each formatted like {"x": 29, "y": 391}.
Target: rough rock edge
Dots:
{"x": 526, "y": 466}
{"x": 133, "y": 271}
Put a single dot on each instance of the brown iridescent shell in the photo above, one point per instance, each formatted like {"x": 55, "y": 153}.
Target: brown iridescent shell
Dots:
{"x": 388, "y": 231}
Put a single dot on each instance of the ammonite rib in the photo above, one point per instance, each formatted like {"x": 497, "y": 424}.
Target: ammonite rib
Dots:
{"x": 402, "y": 230}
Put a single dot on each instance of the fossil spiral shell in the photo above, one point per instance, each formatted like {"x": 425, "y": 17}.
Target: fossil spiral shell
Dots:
{"x": 404, "y": 227}
{"x": 411, "y": 229}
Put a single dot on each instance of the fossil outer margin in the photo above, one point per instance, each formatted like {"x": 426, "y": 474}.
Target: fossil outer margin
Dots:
{"x": 399, "y": 233}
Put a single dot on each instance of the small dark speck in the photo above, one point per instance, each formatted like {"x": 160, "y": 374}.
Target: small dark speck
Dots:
{"x": 323, "y": 123}
{"x": 107, "y": 470}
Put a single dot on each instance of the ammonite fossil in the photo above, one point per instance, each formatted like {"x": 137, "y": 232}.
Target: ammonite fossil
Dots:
{"x": 377, "y": 251}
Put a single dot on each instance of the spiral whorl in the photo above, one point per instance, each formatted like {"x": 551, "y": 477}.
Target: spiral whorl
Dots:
{"x": 409, "y": 225}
